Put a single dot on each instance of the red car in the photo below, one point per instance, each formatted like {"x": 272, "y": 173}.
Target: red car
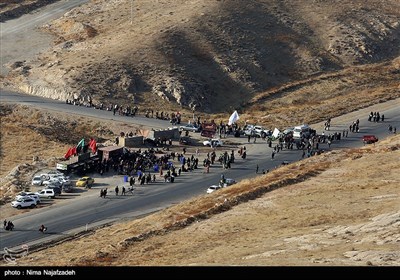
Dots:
{"x": 369, "y": 139}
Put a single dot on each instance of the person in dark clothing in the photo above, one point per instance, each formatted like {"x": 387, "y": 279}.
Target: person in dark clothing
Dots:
{"x": 116, "y": 190}
{"x": 9, "y": 226}
{"x": 42, "y": 228}
{"x": 123, "y": 190}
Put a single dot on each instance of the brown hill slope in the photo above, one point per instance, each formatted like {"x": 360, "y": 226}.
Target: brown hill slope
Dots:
{"x": 340, "y": 208}
{"x": 215, "y": 54}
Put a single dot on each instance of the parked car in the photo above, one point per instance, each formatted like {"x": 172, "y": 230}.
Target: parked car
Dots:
{"x": 33, "y": 195}
{"x": 57, "y": 189}
{"x": 54, "y": 182}
{"x": 47, "y": 193}
{"x": 85, "y": 182}
{"x": 51, "y": 174}
{"x": 24, "y": 202}
{"x": 213, "y": 188}
{"x": 190, "y": 127}
{"x": 213, "y": 143}
{"x": 369, "y": 139}
{"x": 259, "y": 131}
{"x": 37, "y": 181}
{"x": 229, "y": 182}
{"x": 67, "y": 187}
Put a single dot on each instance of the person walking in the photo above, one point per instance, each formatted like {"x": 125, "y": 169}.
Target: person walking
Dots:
{"x": 257, "y": 169}
{"x": 5, "y": 223}
{"x": 116, "y": 190}
{"x": 123, "y": 190}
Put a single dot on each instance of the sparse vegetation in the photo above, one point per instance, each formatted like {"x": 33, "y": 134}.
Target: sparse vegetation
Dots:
{"x": 280, "y": 63}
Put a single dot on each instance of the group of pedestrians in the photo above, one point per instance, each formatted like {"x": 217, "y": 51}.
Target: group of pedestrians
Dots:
{"x": 8, "y": 225}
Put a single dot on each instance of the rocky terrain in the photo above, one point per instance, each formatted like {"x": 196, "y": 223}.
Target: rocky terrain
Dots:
{"x": 218, "y": 55}
{"x": 280, "y": 63}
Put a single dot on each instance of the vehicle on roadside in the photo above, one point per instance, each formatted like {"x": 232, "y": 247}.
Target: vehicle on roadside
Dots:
{"x": 213, "y": 143}
{"x": 47, "y": 193}
{"x": 57, "y": 189}
{"x": 33, "y": 195}
{"x": 228, "y": 182}
{"x": 369, "y": 139}
{"x": 190, "y": 127}
{"x": 301, "y": 131}
{"x": 54, "y": 182}
{"x": 51, "y": 174}
{"x": 67, "y": 187}
{"x": 85, "y": 181}
{"x": 213, "y": 188}
{"x": 37, "y": 181}
{"x": 287, "y": 131}
{"x": 24, "y": 202}
{"x": 256, "y": 130}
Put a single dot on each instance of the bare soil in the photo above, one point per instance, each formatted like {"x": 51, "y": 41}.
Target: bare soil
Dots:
{"x": 340, "y": 208}
{"x": 317, "y": 60}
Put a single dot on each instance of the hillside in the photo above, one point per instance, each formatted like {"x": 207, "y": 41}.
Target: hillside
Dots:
{"x": 220, "y": 55}
{"x": 280, "y": 63}
{"x": 340, "y": 208}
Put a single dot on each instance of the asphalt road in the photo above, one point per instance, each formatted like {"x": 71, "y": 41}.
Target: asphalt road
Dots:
{"x": 92, "y": 210}
{"x": 20, "y": 38}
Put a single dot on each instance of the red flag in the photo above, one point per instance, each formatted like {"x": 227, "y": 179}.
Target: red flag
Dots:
{"x": 93, "y": 145}
{"x": 69, "y": 153}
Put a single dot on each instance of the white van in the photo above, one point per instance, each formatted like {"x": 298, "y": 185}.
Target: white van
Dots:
{"x": 301, "y": 131}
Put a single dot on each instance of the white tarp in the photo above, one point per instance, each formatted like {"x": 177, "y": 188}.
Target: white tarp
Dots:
{"x": 275, "y": 133}
{"x": 233, "y": 118}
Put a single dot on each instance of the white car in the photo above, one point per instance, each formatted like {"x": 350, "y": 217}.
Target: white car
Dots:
{"x": 51, "y": 174}
{"x": 213, "y": 188}
{"x": 257, "y": 130}
{"x": 55, "y": 182}
{"x": 189, "y": 127}
{"x": 33, "y": 195}
{"x": 213, "y": 143}
{"x": 24, "y": 202}
{"x": 46, "y": 193}
{"x": 37, "y": 181}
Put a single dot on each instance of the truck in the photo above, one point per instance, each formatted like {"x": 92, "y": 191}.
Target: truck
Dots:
{"x": 208, "y": 129}
{"x": 80, "y": 164}
{"x": 257, "y": 130}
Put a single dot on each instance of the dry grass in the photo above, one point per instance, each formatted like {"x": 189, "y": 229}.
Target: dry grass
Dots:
{"x": 307, "y": 213}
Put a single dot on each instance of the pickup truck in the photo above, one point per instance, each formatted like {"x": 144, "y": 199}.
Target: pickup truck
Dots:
{"x": 257, "y": 130}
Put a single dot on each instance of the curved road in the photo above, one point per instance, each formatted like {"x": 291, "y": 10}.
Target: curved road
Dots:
{"x": 90, "y": 211}
{"x": 20, "y": 39}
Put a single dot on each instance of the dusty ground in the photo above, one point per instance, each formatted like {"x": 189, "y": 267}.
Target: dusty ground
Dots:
{"x": 346, "y": 213}
{"x": 341, "y": 208}
{"x": 222, "y": 55}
